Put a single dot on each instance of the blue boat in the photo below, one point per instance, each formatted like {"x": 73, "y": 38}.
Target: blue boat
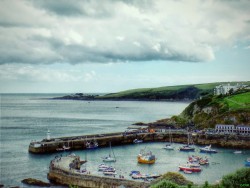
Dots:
{"x": 247, "y": 162}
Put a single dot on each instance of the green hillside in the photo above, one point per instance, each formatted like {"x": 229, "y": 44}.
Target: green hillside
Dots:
{"x": 181, "y": 92}
{"x": 211, "y": 110}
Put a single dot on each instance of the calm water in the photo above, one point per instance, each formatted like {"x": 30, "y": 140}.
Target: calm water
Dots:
{"x": 26, "y": 117}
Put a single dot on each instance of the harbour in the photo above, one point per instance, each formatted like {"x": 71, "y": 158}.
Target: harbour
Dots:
{"x": 28, "y": 117}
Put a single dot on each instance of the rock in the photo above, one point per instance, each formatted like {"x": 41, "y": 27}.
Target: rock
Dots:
{"x": 31, "y": 181}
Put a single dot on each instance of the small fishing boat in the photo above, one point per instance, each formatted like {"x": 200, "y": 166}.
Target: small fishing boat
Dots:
{"x": 208, "y": 149}
{"x": 187, "y": 172}
{"x": 190, "y": 167}
{"x": 109, "y": 158}
{"x": 146, "y": 157}
{"x": 109, "y": 173}
{"x": 237, "y": 152}
{"x": 91, "y": 144}
{"x": 187, "y": 148}
{"x": 64, "y": 148}
{"x": 103, "y": 167}
{"x": 247, "y": 162}
{"x": 204, "y": 161}
{"x": 137, "y": 141}
{"x": 134, "y": 172}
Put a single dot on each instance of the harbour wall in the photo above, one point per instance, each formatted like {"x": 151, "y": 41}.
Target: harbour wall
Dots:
{"x": 81, "y": 180}
{"x": 79, "y": 142}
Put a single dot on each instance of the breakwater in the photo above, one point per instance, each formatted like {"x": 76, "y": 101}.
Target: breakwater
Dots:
{"x": 61, "y": 173}
{"x": 120, "y": 138}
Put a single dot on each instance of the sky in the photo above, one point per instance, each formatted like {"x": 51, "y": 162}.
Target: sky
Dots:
{"x": 93, "y": 46}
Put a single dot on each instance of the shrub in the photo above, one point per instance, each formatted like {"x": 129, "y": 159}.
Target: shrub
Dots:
{"x": 240, "y": 177}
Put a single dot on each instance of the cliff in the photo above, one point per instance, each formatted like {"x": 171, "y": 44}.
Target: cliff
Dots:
{"x": 211, "y": 110}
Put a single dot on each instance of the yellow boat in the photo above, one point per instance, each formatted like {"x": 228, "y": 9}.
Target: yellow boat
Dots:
{"x": 146, "y": 157}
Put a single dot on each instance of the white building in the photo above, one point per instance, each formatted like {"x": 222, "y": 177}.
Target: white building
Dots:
{"x": 224, "y": 89}
{"x": 240, "y": 129}
{"x": 243, "y": 129}
{"x": 225, "y": 128}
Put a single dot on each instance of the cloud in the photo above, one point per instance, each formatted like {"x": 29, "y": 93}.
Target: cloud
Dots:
{"x": 47, "y": 32}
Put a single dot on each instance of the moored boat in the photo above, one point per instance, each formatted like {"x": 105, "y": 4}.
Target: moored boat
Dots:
{"x": 190, "y": 167}
{"x": 247, "y": 162}
{"x": 92, "y": 144}
{"x": 110, "y": 158}
{"x": 146, "y": 157}
{"x": 237, "y": 152}
{"x": 208, "y": 149}
{"x": 169, "y": 145}
{"x": 137, "y": 141}
{"x": 64, "y": 148}
{"x": 187, "y": 147}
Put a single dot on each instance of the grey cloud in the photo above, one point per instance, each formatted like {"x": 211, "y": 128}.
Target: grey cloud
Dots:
{"x": 76, "y": 8}
{"x": 132, "y": 31}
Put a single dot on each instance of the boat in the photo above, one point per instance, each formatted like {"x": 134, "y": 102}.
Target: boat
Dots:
{"x": 169, "y": 145}
{"x": 247, "y": 162}
{"x": 146, "y": 157}
{"x": 63, "y": 148}
{"x": 237, "y": 152}
{"x": 208, "y": 149}
{"x": 109, "y": 158}
{"x": 109, "y": 173}
{"x": 134, "y": 172}
{"x": 204, "y": 161}
{"x": 103, "y": 167}
{"x": 187, "y": 148}
{"x": 91, "y": 144}
{"x": 137, "y": 141}
{"x": 187, "y": 172}
{"x": 190, "y": 167}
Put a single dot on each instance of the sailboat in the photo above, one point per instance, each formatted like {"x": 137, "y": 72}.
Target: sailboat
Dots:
{"x": 187, "y": 147}
{"x": 109, "y": 158}
{"x": 169, "y": 145}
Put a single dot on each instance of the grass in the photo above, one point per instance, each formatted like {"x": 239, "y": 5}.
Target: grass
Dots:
{"x": 238, "y": 101}
{"x": 165, "y": 91}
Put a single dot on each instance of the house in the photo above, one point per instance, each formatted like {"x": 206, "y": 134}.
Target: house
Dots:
{"x": 243, "y": 129}
{"x": 220, "y": 128}
{"x": 224, "y": 89}
{"x": 230, "y": 129}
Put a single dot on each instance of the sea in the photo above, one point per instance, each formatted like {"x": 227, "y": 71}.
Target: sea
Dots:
{"x": 27, "y": 117}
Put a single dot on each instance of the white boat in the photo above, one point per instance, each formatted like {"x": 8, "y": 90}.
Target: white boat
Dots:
{"x": 207, "y": 149}
{"x": 64, "y": 148}
{"x": 109, "y": 173}
{"x": 169, "y": 145}
{"x": 187, "y": 148}
{"x": 137, "y": 141}
{"x": 109, "y": 158}
{"x": 237, "y": 152}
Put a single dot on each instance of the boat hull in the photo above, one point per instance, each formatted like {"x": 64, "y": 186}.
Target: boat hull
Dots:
{"x": 187, "y": 149}
{"x": 208, "y": 151}
{"x": 144, "y": 161}
{"x": 192, "y": 169}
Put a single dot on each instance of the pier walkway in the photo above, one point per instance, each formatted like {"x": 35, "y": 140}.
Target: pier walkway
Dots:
{"x": 103, "y": 140}
{"x": 65, "y": 171}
